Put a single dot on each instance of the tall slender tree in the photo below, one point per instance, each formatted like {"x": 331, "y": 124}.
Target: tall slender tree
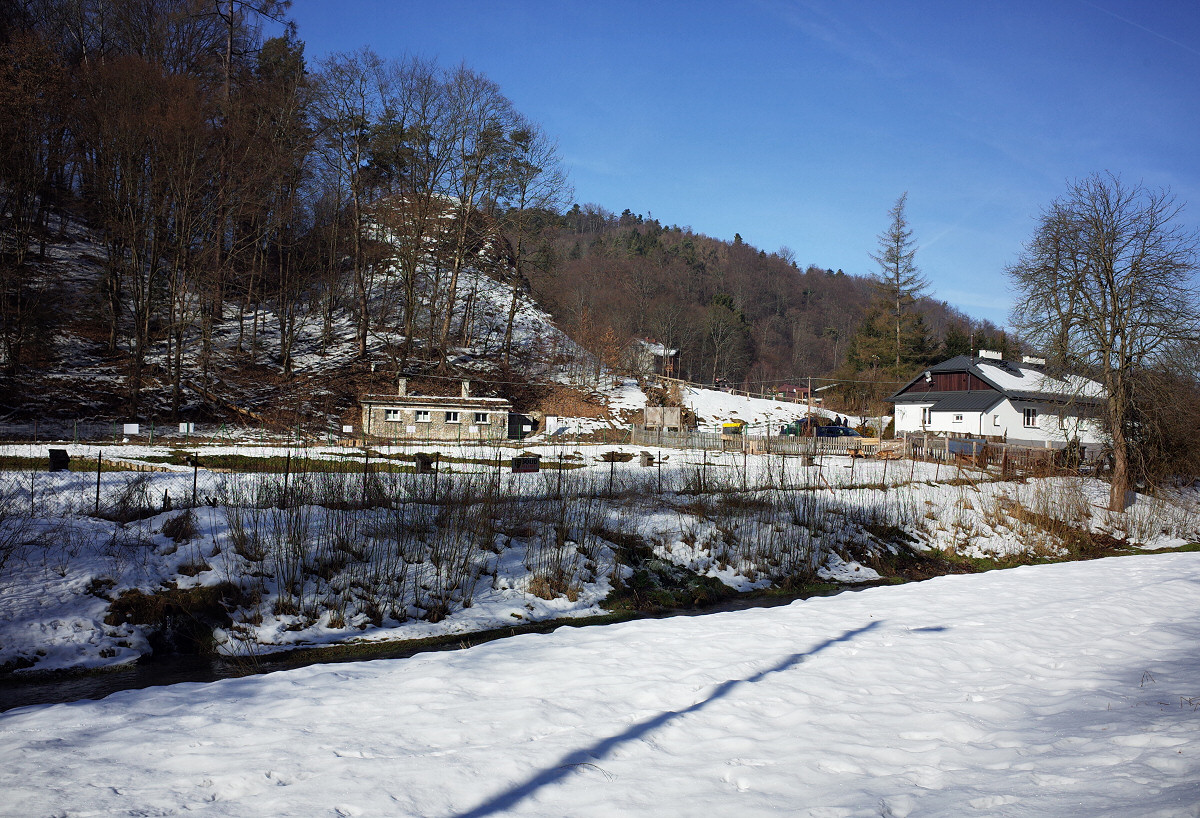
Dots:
{"x": 898, "y": 281}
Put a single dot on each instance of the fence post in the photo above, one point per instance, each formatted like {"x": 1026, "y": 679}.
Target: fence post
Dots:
{"x": 195, "y": 476}
{"x": 99, "y": 460}
{"x": 366, "y": 471}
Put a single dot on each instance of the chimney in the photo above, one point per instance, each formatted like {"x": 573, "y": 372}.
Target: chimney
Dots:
{"x": 402, "y": 388}
{"x": 466, "y": 388}
{"x": 991, "y": 355}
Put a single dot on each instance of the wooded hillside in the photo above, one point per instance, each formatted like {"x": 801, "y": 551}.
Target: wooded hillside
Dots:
{"x": 230, "y": 190}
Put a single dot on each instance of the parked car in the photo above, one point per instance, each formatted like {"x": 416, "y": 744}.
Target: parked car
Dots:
{"x": 836, "y": 431}
{"x": 799, "y": 427}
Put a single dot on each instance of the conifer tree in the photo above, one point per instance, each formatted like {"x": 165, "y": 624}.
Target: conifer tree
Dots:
{"x": 898, "y": 281}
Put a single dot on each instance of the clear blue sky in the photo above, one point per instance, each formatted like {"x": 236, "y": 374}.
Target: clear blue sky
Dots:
{"x": 800, "y": 123}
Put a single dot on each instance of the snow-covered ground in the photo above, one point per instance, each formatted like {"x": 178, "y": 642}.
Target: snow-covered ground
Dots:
{"x": 67, "y": 567}
{"x": 1060, "y": 690}
{"x": 713, "y": 407}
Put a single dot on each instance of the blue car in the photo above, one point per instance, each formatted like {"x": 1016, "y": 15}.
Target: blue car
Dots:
{"x": 836, "y": 431}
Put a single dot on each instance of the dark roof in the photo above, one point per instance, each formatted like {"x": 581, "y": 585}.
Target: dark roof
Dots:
{"x": 976, "y": 401}
{"x": 967, "y": 401}
{"x": 965, "y": 363}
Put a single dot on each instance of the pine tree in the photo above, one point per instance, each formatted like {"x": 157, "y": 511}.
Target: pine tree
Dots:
{"x": 898, "y": 282}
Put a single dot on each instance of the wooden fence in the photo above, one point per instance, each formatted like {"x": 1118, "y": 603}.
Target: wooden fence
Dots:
{"x": 756, "y": 444}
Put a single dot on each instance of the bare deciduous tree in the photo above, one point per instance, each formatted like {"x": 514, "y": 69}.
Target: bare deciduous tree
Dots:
{"x": 1106, "y": 286}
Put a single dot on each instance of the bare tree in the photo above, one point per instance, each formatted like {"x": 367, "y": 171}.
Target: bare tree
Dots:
{"x": 348, "y": 108}
{"x": 480, "y": 117}
{"x": 536, "y": 183}
{"x": 899, "y": 281}
{"x": 1105, "y": 285}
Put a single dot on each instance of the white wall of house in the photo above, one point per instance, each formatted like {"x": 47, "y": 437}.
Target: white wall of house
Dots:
{"x": 908, "y": 419}
{"x": 1007, "y": 419}
{"x": 1054, "y": 424}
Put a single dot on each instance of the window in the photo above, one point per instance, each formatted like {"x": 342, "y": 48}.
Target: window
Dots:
{"x": 393, "y": 415}
{"x": 958, "y": 418}
{"x": 926, "y": 415}
{"x": 481, "y": 417}
{"x": 452, "y": 417}
{"x": 995, "y": 420}
{"x": 1031, "y": 418}
{"x": 421, "y": 416}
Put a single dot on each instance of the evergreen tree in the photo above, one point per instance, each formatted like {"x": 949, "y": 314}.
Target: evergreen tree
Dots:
{"x": 898, "y": 282}
{"x": 872, "y": 346}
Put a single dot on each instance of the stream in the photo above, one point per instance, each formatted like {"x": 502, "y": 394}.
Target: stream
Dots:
{"x": 19, "y": 690}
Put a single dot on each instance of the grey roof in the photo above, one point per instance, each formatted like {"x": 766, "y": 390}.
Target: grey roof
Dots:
{"x": 919, "y": 397}
{"x": 447, "y": 402}
{"x": 968, "y": 402}
{"x": 979, "y": 400}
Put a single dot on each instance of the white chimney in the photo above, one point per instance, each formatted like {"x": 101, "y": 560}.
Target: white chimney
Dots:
{"x": 466, "y": 388}
{"x": 402, "y": 387}
{"x": 991, "y": 355}
{"x": 1029, "y": 359}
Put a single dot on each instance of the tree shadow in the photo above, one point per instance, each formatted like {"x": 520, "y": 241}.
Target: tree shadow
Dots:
{"x": 589, "y": 755}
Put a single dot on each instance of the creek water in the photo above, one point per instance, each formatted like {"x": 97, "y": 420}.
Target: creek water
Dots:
{"x": 19, "y": 690}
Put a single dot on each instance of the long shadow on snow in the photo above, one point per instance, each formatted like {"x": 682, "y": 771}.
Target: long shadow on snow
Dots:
{"x": 568, "y": 763}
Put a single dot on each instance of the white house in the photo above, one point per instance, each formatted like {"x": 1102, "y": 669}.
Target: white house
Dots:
{"x": 990, "y": 397}
{"x": 652, "y": 358}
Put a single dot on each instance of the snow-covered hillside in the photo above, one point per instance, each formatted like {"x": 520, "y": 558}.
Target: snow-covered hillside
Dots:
{"x": 1060, "y": 690}
{"x": 266, "y": 361}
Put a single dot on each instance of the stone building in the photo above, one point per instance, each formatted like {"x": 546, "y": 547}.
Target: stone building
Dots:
{"x": 434, "y": 417}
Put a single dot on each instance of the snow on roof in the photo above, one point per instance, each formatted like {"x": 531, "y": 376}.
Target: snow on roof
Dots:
{"x": 1013, "y": 377}
{"x": 657, "y": 349}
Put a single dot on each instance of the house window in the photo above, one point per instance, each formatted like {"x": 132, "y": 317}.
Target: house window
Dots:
{"x": 481, "y": 417}
{"x": 926, "y": 415}
{"x": 1031, "y": 418}
{"x": 995, "y": 420}
{"x": 393, "y": 415}
{"x": 958, "y": 418}
{"x": 452, "y": 417}
{"x": 421, "y": 416}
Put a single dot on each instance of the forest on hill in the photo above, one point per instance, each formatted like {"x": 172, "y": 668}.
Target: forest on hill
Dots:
{"x": 735, "y": 312}
{"x": 229, "y": 188}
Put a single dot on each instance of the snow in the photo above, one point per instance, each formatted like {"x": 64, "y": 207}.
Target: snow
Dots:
{"x": 712, "y": 407}
{"x": 825, "y": 516}
{"x": 1028, "y": 379}
{"x": 1056, "y": 690}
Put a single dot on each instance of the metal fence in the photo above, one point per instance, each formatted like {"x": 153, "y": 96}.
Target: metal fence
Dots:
{"x": 983, "y": 454}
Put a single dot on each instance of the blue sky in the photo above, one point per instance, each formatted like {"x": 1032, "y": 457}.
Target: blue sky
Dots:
{"x": 799, "y": 123}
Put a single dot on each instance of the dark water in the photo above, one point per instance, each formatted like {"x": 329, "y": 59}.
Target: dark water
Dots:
{"x": 20, "y": 691}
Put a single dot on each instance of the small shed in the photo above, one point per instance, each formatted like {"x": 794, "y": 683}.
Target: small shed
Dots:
{"x": 521, "y": 426}
{"x": 668, "y": 418}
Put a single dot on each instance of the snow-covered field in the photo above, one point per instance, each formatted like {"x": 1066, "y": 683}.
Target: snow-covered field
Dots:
{"x": 1060, "y": 690}
{"x": 381, "y": 574}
